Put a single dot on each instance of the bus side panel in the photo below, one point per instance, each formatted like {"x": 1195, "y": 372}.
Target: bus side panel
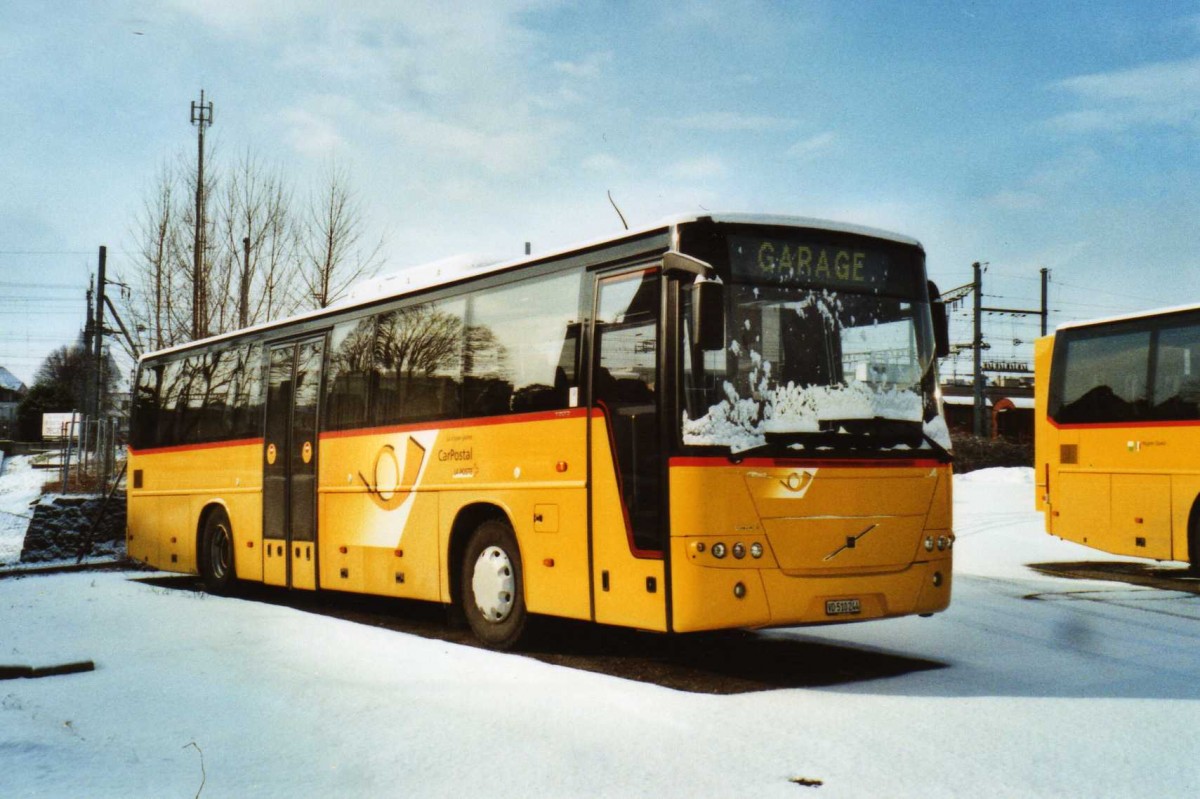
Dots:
{"x": 1045, "y": 438}
{"x": 1081, "y": 505}
{"x": 176, "y": 486}
{"x": 630, "y": 590}
{"x": 389, "y": 501}
{"x": 377, "y": 522}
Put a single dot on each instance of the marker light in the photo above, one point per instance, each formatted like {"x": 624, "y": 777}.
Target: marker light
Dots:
{"x": 739, "y": 590}
{"x": 928, "y": 543}
{"x": 942, "y": 543}
{"x": 718, "y": 550}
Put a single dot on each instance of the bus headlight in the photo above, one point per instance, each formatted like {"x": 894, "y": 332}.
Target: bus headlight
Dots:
{"x": 942, "y": 543}
{"x": 739, "y": 550}
{"x": 718, "y": 550}
{"x": 928, "y": 543}
{"x": 756, "y": 550}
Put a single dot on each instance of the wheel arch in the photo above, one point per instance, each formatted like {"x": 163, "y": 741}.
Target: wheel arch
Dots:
{"x": 211, "y": 507}
{"x": 1193, "y": 535}
{"x": 466, "y": 520}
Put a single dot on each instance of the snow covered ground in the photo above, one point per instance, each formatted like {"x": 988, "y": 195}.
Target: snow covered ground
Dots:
{"x": 1051, "y": 687}
{"x": 20, "y": 486}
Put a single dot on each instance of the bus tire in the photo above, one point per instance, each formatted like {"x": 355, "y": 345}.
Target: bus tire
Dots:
{"x": 216, "y": 554}
{"x": 493, "y": 597}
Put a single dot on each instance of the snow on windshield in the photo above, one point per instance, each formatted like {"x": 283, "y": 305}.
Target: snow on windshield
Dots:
{"x": 801, "y": 364}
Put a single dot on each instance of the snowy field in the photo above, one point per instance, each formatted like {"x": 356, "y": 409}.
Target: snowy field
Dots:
{"x": 20, "y": 485}
{"x": 1051, "y": 688}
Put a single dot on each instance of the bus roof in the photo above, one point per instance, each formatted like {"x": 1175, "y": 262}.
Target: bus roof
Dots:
{"x": 1130, "y": 317}
{"x": 447, "y": 270}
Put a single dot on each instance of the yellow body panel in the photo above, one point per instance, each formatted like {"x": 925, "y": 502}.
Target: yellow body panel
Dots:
{"x": 828, "y": 533}
{"x": 176, "y": 485}
{"x": 1124, "y": 489}
{"x": 389, "y": 500}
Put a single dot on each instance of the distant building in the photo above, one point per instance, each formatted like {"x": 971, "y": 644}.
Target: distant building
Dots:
{"x": 12, "y": 391}
{"x": 1008, "y": 408}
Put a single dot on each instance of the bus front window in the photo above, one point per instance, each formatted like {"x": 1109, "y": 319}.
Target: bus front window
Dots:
{"x": 809, "y": 368}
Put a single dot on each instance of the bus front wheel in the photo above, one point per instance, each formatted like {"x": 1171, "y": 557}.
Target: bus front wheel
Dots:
{"x": 216, "y": 554}
{"x": 493, "y": 599}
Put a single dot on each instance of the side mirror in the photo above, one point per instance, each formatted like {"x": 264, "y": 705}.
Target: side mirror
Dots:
{"x": 708, "y": 314}
{"x": 708, "y": 299}
{"x": 941, "y": 323}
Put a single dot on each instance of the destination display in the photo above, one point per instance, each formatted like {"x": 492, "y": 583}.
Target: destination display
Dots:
{"x": 760, "y": 259}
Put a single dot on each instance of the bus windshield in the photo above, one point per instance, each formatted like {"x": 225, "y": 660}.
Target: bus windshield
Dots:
{"x": 827, "y": 348}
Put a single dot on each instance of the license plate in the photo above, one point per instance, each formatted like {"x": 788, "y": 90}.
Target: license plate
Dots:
{"x": 842, "y": 607}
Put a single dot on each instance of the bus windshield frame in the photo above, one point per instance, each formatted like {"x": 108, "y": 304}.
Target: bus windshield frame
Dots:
{"x": 829, "y": 349}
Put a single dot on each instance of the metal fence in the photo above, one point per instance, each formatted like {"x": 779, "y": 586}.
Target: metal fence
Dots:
{"x": 89, "y": 463}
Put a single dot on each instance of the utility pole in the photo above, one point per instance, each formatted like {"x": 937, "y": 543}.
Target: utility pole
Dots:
{"x": 1045, "y": 294}
{"x": 977, "y": 346}
{"x": 202, "y": 117}
{"x": 98, "y": 360}
{"x": 244, "y": 287}
{"x": 98, "y": 335}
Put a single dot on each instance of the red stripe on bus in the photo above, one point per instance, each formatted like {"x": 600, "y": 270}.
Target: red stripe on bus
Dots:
{"x": 240, "y": 442}
{"x": 768, "y": 463}
{"x": 452, "y": 424}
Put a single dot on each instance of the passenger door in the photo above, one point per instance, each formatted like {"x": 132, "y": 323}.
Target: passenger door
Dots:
{"x": 626, "y": 457}
{"x": 290, "y": 463}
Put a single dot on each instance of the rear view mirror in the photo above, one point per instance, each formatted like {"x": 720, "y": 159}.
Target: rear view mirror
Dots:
{"x": 708, "y": 299}
{"x": 941, "y": 324}
{"x": 708, "y": 314}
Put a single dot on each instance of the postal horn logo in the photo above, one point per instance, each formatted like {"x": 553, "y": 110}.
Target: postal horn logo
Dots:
{"x": 393, "y": 480}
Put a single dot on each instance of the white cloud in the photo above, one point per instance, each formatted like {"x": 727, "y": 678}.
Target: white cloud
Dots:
{"x": 727, "y": 121}
{"x": 812, "y": 145}
{"x": 1161, "y": 94}
{"x": 312, "y": 133}
{"x": 602, "y": 163}
{"x": 593, "y": 66}
{"x": 701, "y": 168}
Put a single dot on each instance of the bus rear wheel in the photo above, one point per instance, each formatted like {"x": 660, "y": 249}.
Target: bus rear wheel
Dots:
{"x": 216, "y": 554}
{"x": 493, "y": 598}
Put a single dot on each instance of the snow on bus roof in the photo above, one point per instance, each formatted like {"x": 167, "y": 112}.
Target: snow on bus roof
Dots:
{"x": 446, "y": 270}
{"x": 1130, "y": 317}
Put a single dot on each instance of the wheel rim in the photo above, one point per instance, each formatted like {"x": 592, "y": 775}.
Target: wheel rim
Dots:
{"x": 493, "y": 584}
{"x": 219, "y": 554}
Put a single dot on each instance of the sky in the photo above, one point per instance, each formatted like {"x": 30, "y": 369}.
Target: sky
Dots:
{"x": 1024, "y": 135}
{"x": 1047, "y": 687}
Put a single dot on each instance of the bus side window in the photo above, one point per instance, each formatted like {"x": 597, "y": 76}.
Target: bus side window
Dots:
{"x": 349, "y": 376}
{"x": 146, "y": 407}
{"x": 418, "y": 357}
{"x": 1177, "y": 374}
{"x": 521, "y": 346}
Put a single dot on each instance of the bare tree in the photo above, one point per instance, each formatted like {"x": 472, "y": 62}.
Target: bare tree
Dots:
{"x": 159, "y": 317}
{"x": 255, "y": 210}
{"x": 294, "y": 262}
{"x": 335, "y": 252}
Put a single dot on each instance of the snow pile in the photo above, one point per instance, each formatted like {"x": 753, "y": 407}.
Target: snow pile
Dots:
{"x": 20, "y": 488}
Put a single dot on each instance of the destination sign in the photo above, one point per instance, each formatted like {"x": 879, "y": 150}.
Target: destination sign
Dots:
{"x": 761, "y": 259}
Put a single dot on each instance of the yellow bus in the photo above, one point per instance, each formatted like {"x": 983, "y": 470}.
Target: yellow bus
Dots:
{"x": 1118, "y": 428}
{"x": 724, "y": 421}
